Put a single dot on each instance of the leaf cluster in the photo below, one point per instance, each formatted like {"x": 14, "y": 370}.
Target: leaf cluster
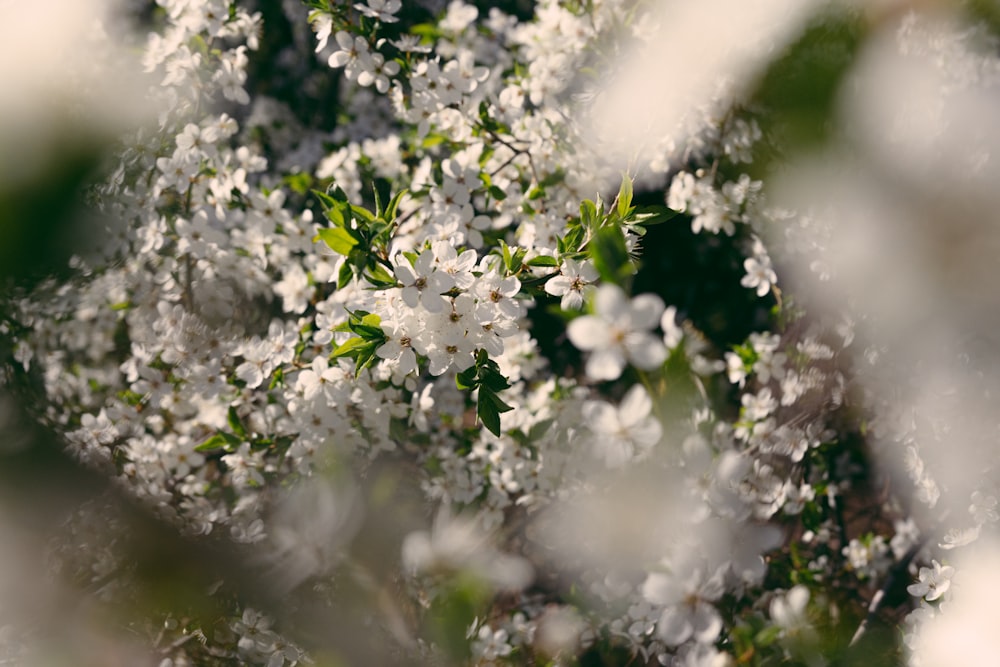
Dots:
{"x": 485, "y": 376}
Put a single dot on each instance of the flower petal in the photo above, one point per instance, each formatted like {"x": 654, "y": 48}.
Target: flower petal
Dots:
{"x": 606, "y": 364}
{"x": 646, "y": 310}
{"x": 674, "y": 627}
{"x": 645, "y": 351}
{"x": 589, "y": 333}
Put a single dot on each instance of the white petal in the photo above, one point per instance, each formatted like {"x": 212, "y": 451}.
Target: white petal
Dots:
{"x": 660, "y": 589}
{"x": 606, "y": 364}
{"x": 707, "y": 623}
{"x": 558, "y": 286}
{"x": 635, "y": 406}
{"x": 572, "y": 300}
{"x": 646, "y": 310}
{"x": 645, "y": 351}
{"x": 646, "y": 433}
{"x": 674, "y": 627}
{"x": 588, "y": 333}
{"x": 611, "y": 303}
{"x": 600, "y": 417}
{"x": 797, "y": 598}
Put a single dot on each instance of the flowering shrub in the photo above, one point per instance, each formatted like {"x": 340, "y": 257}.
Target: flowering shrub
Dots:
{"x": 398, "y": 360}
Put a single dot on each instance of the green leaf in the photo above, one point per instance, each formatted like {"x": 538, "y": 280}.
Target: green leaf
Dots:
{"x": 371, "y": 320}
{"x": 349, "y": 347}
{"x": 489, "y": 415}
{"x": 338, "y": 239}
{"x": 213, "y": 443}
{"x": 378, "y": 201}
{"x": 233, "y": 419}
{"x": 378, "y": 275}
{"x": 801, "y": 87}
{"x": 571, "y": 241}
{"x": 490, "y": 396}
{"x": 337, "y": 193}
{"x": 325, "y": 200}
{"x": 588, "y": 214}
{"x": 624, "y": 196}
{"x": 496, "y": 193}
{"x": 517, "y": 259}
{"x": 543, "y": 260}
{"x": 556, "y": 177}
{"x": 363, "y": 213}
{"x": 539, "y": 429}
{"x": 466, "y": 379}
{"x": 298, "y": 183}
{"x": 277, "y": 378}
{"x": 767, "y": 636}
{"x": 432, "y": 140}
{"x": 653, "y": 215}
{"x": 366, "y": 356}
{"x": 491, "y": 377}
{"x": 392, "y": 209}
{"x": 505, "y": 249}
{"x": 610, "y": 254}
{"x": 344, "y": 277}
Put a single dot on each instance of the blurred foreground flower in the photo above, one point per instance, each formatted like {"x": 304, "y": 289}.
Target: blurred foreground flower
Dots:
{"x": 455, "y": 544}
{"x": 618, "y": 333}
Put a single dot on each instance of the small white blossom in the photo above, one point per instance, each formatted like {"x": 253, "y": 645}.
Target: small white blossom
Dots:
{"x": 618, "y": 333}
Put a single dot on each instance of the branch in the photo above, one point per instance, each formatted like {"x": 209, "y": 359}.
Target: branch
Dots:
{"x": 890, "y": 580}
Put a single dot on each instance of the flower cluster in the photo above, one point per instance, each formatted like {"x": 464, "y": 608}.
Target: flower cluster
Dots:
{"x": 366, "y": 266}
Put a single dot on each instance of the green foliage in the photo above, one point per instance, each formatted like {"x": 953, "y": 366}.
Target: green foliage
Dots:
{"x": 360, "y": 235}
{"x": 367, "y": 339}
{"x": 454, "y": 610}
{"x": 485, "y": 376}
{"x": 799, "y": 90}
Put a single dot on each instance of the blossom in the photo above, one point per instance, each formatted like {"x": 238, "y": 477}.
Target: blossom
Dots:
{"x": 622, "y": 433}
{"x": 618, "y": 333}
{"x": 689, "y": 613}
{"x": 933, "y": 581}
{"x": 382, "y": 10}
{"x": 573, "y": 284}
{"x": 760, "y": 276}
{"x": 398, "y": 348}
{"x": 672, "y": 334}
{"x": 377, "y": 71}
{"x": 454, "y": 543}
{"x": 422, "y": 282}
{"x": 789, "y": 611}
{"x": 352, "y": 54}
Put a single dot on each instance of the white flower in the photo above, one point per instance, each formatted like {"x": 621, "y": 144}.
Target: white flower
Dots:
{"x": 758, "y": 406}
{"x": 934, "y": 581}
{"x": 618, "y": 333}
{"x": 759, "y": 275}
{"x": 575, "y": 282}
{"x": 672, "y": 334}
{"x": 378, "y": 71}
{"x": 381, "y": 10}
{"x": 351, "y": 54}
{"x": 318, "y": 378}
{"x": 455, "y": 544}
{"x": 422, "y": 283}
{"x": 623, "y": 432}
{"x": 398, "y": 348}
{"x": 789, "y": 611}
{"x": 690, "y": 612}
{"x": 323, "y": 25}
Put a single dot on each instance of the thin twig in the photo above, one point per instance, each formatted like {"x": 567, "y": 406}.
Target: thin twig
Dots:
{"x": 890, "y": 580}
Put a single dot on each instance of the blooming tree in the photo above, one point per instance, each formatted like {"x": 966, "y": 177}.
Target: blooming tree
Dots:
{"x": 381, "y": 341}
